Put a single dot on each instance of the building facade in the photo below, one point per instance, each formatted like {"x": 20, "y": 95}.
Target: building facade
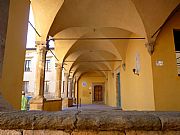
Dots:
{"x": 29, "y": 77}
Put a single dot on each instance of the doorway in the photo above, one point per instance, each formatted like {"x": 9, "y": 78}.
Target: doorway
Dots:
{"x": 98, "y": 93}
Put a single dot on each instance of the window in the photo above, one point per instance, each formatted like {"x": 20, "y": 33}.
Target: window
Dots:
{"x": 46, "y": 86}
{"x": 26, "y": 86}
{"x": 177, "y": 48}
{"x": 48, "y": 66}
{"x": 27, "y": 66}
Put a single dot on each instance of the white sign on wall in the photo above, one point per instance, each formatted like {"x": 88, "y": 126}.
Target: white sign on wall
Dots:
{"x": 159, "y": 63}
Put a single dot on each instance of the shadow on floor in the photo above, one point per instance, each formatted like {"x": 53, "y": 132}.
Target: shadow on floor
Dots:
{"x": 92, "y": 107}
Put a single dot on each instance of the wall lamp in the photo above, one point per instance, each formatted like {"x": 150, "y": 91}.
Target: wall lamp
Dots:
{"x": 135, "y": 71}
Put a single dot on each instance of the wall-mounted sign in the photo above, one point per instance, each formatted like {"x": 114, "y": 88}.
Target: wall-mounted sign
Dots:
{"x": 159, "y": 63}
{"x": 84, "y": 84}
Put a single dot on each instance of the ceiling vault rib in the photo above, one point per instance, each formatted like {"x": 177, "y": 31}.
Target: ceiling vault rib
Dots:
{"x": 92, "y": 70}
{"x": 34, "y": 29}
{"x": 53, "y": 54}
{"x": 93, "y": 61}
{"x": 102, "y": 38}
{"x": 168, "y": 18}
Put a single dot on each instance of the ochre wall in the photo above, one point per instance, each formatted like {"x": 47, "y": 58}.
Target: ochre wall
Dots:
{"x": 111, "y": 89}
{"x": 137, "y": 90}
{"x": 13, "y": 66}
{"x": 84, "y": 92}
{"x": 166, "y": 79}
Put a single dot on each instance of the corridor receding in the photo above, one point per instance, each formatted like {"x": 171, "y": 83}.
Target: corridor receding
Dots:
{"x": 116, "y": 53}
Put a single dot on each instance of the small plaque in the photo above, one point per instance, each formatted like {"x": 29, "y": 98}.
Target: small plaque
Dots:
{"x": 159, "y": 63}
{"x": 84, "y": 84}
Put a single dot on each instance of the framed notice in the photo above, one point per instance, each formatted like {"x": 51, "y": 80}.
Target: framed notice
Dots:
{"x": 84, "y": 84}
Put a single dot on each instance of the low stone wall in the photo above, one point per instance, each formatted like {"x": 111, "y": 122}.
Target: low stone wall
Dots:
{"x": 90, "y": 122}
{"x": 67, "y": 102}
{"x": 53, "y": 105}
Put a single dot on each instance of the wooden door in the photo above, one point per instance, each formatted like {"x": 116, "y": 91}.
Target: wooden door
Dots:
{"x": 98, "y": 94}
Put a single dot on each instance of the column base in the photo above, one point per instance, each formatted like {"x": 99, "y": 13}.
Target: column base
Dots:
{"x": 53, "y": 104}
{"x": 67, "y": 102}
{"x": 37, "y": 103}
{"x": 74, "y": 100}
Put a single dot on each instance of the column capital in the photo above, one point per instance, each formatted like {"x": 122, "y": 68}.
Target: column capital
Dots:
{"x": 58, "y": 65}
{"x": 66, "y": 74}
{"x": 150, "y": 46}
{"x": 41, "y": 46}
{"x": 70, "y": 79}
{"x": 39, "y": 43}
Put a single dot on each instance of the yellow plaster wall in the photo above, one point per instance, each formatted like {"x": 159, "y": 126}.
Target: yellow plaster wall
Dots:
{"x": 137, "y": 91}
{"x": 13, "y": 65}
{"x": 84, "y": 92}
{"x": 111, "y": 89}
{"x": 166, "y": 80}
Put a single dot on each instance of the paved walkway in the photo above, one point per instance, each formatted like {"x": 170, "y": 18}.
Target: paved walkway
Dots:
{"x": 91, "y": 107}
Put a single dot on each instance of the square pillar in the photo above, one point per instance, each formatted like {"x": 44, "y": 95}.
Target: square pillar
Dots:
{"x": 58, "y": 80}
{"x": 66, "y": 76}
{"x": 58, "y": 104}
{"x": 70, "y": 88}
{"x": 73, "y": 91}
{"x": 67, "y": 100}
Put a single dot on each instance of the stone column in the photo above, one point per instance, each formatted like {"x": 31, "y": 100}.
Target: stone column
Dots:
{"x": 37, "y": 102}
{"x": 70, "y": 88}
{"x": 73, "y": 91}
{"x": 73, "y": 88}
{"x": 66, "y": 76}
{"x": 67, "y": 101}
{"x": 58, "y": 80}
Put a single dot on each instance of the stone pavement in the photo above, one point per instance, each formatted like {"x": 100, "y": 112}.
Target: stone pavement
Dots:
{"x": 91, "y": 107}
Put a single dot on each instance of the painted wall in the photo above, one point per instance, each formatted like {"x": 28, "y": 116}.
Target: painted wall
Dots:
{"x": 4, "y": 12}
{"x": 111, "y": 89}
{"x": 85, "y": 92}
{"x": 137, "y": 90}
{"x": 166, "y": 80}
{"x": 11, "y": 80}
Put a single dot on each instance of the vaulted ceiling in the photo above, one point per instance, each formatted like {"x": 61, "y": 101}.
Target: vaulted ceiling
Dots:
{"x": 77, "y": 19}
